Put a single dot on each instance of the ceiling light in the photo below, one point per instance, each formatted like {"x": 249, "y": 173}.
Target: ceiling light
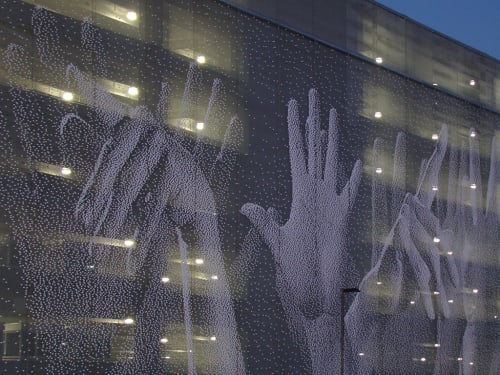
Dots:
{"x": 378, "y": 114}
{"x": 67, "y": 96}
{"x": 132, "y": 90}
{"x": 472, "y": 82}
{"x": 361, "y": 354}
{"x": 167, "y": 357}
{"x": 214, "y": 277}
{"x": 163, "y": 340}
{"x": 435, "y": 137}
{"x": 213, "y": 338}
{"x": 436, "y": 239}
{"x": 437, "y": 345}
{"x": 450, "y": 301}
{"x": 379, "y": 60}
{"x": 434, "y": 188}
{"x": 128, "y": 321}
{"x": 201, "y": 59}
{"x": 378, "y": 170}
{"x": 460, "y": 359}
{"x": 471, "y": 363}
{"x": 436, "y": 293}
{"x": 450, "y": 253}
{"x": 379, "y": 282}
{"x": 435, "y": 84}
{"x": 132, "y": 16}
{"x": 422, "y": 359}
{"x": 475, "y": 291}
{"x": 412, "y": 302}
{"x": 200, "y": 125}
{"x": 65, "y": 171}
{"x": 473, "y": 133}
{"x": 198, "y": 261}
{"x": 473, "y": 186}
{"x": 165, "y": 279}
{"x": 129, "y": 243}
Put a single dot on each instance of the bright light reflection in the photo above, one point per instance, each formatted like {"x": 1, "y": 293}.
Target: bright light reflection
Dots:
{"x": 450, "y": 301}
{"x": 379, "y": 60}
{"x": 379, "y": 282}
{"x": 128, "y": 321}
{"x": 475, "y": 291}
{"x": 131, "y": 15}
{"x": 67, "y": 96}
{"x": 378, "y": 170}
{"x": 423, "y": 359}
{"x": 65, "y": 171}
{"x": 129, "y": 243}
{"x": 213, "y": 338}
{"x": 437, "y": 345}
{"x": 198, "y": 261}
{"x": 436, "y": 240}
{"x": 473, "y": 186}
{"x": 460, "y": 359}
{"x": 165, "y": 279}
{"x": 200, "y": 125}
{"x": 434, "y": 188}
{"x": 132, "y": 90}
{"x": 472, "y": 82}
{"x": 473, "y": 133}
{"x": 164, "y": 340}
{"x": 412, "y": 302}
{"x": 214, "y": 277}
{"x": 201, "y": 60}
{"x": 435, "y": 137}
{"x": 450, "y": 253}
{"x": 378, "y": 114}
{"x": 436, "y": 293}
{"x": 361, "y": 354}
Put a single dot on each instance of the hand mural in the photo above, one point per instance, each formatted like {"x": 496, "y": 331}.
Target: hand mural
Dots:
{"x": 148, "y": 185}
{"x": 310, "y": 248}
{"x": 433, "y": 258}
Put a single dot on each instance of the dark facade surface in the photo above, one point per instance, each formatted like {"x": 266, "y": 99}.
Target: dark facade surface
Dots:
{"x": 178, "y": 196}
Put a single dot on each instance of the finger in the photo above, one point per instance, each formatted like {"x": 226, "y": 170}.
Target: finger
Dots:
{"x": 266, "y": 226}
{"x": 380, "y": 226}
{"x": 332, "y": 158}
{"x": 398, "y": 176}
{"x": 492, "y": 201}
{"x": 476, "y": 195}
{"x": 351, "y": 188}
{"x": 426, "y": 191}
{"x": 314, "y": 135}
{"x": 296, "y": 142}
{"x": 452, "y": 196}
{"x": 419, "y": 267}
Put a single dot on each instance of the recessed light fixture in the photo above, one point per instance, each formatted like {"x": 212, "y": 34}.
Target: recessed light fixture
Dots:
{"x": 379, "y": 60}
{"x": 434, "y": 188}
{"x": 460, "y": 359}
{"x": 471, "y": 363}
{"x": 436, "y": 293}
{"x": 450, "y": 253}
{"x": 378, "y": 170}
{"x": 67, "y": 96}
{"x": 131, "y": 15}
{"x": 128, "y": 321}
{"x": 423, "y": 359}
{"x": 412, "y": 302}
{"x": 473, "y": 186}
{"x": 473, "y": 133}
{"x": 198, "y": 261}
{"x": 435, "y": 137}
{"x": 129, "y": 243}
{"x": 379, "y": 282}
{"x": 472, "y": 82}
{"x": 165, "y": 279}
{"x": 65, "y": 171}
{"x": 214, "y": 277}
{"x": 132, "y": 90}
{"x": 475, "y": 291}
{"x": 163, "y": 340}
{"x": 435, "y": 84}
{"x": 213, "y": 338}
{"x": 436, "y": 240}
{"x": 378, "y": 114}
{"x": 201, "y": 59}
{"x": 200, "y": 125}
{"x": 437, "y": 345}
{"x": 450, "y": 301}
{"x": 361, "y": 354}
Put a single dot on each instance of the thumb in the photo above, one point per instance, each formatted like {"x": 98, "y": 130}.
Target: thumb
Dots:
{"x": 265, "y": 224}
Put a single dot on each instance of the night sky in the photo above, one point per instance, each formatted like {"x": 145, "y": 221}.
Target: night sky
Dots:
{"x": 475, "y": 23}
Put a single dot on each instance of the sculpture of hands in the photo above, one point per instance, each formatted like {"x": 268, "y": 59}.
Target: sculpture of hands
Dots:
{"x": 310, "y": 248}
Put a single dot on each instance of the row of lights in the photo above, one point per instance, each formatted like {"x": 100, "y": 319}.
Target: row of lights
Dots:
{"x": 380, "y": 60}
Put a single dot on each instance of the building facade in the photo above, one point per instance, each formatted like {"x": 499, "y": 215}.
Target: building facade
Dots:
{"x": 236, "y": 187}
